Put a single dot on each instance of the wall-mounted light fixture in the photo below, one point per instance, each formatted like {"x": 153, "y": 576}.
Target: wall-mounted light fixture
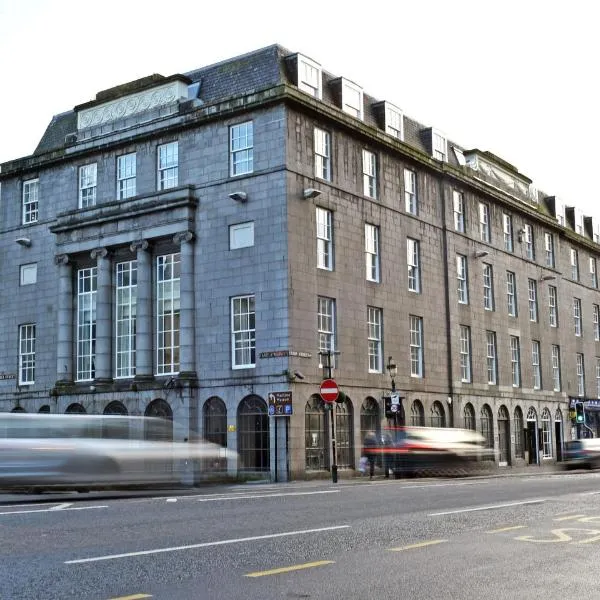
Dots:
{"x": 521, "y": 235}
{"x": 480, "y": 253}
{"x": 293, "y": 376}
{"x": 24, "y": 241}
{"x": 311, "y": 193}
{"x": 547, "y": 277}
{"x": 239, "y": 196}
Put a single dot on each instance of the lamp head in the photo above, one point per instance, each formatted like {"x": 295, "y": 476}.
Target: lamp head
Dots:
{"x": 391, "y": 367}
{"x": 239, "y": 196}
{"x": 310, "y": 193}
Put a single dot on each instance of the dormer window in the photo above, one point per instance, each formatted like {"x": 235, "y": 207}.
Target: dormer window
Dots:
{"x": 394, "y": 121}
{"x": 460, "y": 157}
{"x": 309, "y": 76}
{"x": 439, "y": 146}
{"x": 352, "y": 99}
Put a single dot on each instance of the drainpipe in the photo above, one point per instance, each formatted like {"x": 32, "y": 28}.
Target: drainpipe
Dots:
{"x": 449, "y": 352}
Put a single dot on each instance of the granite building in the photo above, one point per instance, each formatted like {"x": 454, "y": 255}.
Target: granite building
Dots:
{"x": 198, "y": 246}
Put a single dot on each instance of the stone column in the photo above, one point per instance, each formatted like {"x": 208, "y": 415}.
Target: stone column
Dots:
{"x": 104, "y": 325}
{"x": 143, "y": 319}
{"x": 64, "y": 345}
{"x": 187, "y": 359}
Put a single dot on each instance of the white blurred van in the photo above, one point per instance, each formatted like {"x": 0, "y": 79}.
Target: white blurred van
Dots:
{"x": 91, "y": 451}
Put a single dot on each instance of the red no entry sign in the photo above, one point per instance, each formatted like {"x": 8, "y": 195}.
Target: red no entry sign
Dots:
{"x": 329, "y": 390}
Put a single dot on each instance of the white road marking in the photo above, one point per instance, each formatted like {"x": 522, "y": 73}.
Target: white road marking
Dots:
{"x": 50, "y": 510}
{"x": 205, "y": 544}
{"x": 253, "y": 496}
{"x": 62, "y": 506}
{"x": 411, "y": 487}
{"x": 491, "y": 507}
{"x": 171, "y": 499}
{"x": 25, "y": 504}
{"x": 401, "y": 486}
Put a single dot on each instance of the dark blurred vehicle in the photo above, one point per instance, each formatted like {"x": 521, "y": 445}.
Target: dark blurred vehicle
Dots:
{"x": 436, "y": 451}
{"x": 582, "y": 454}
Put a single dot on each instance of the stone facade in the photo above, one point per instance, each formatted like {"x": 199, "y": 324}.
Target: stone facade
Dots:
{"x": 279, "y": 270}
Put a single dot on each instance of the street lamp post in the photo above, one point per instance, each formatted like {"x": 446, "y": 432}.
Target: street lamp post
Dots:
{"x": 392, "y": 370}
{"x": 395, "y": 407}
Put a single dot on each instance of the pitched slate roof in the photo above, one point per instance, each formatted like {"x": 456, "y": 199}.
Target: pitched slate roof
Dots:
{"x": 244, "y": 74}
{"x": 54, "y": 136}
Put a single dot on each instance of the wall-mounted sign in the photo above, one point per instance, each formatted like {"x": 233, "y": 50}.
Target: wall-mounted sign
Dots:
{"x": 231, "y": 428}
{"x": 7, "y": 376}
{"x": 280, "y": 404}
{"x": 284, "y": 353}
{"x": 587, "y": 401}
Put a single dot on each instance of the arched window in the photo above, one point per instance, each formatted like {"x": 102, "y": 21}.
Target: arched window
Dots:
{"x": 344, "y": 433}
{"x": 44, "y": 409}
{"x": 160, "y": 428}
{"x": 315, "y": 435}
{"x": 75, "y": 409}
{"x": 531, "y": 414}
{"x": 417, "y": 414}
{"x": 116, "y": 408}
{"x": 18, "y": 409}
{"x": 214, "y": 421}
{"x": 487, "y": 425}
{"x": 519, "y": 433}
{"x": 469, "y": 416}
{"x": 115, "y": 428}
{"x": 504, "y": 435}
{"x": 370, "y": 418}
{"x": 253, "y": 435}
{"x": 214, "y": 425}
{"x": 546, "y": 434}
{"x": 438, "y": 415}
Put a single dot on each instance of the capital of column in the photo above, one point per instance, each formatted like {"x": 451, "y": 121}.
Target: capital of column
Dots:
{"x": 139, "y": 245}
{"x": 99, "y": 253}
{"x": 183, "y": 237}
{"x": 62, "y": 259}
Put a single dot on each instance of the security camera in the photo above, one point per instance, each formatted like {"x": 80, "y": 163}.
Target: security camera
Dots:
{"x": 298, "y": 375}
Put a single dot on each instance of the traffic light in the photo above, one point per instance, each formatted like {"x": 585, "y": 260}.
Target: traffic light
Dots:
{"x": 579, "y": 412}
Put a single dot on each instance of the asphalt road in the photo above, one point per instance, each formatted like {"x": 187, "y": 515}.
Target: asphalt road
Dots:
{"x": 494, "y": 538}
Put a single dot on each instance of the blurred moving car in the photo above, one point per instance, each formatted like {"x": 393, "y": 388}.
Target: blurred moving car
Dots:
{"x": 39, "y": 451}
{"x": 582, "y": 454}
{"x": 436, "y": 450}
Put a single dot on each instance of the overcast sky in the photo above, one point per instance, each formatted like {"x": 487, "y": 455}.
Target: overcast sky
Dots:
{"x": 517, "y": 78}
